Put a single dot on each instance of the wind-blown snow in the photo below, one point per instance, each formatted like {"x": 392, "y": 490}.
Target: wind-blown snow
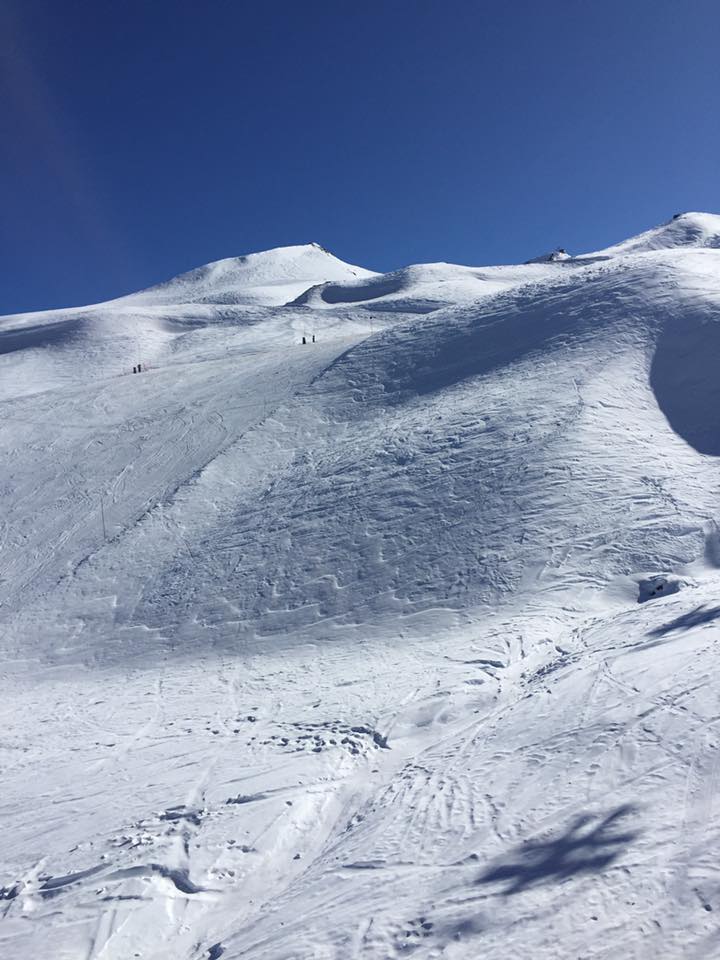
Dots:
{"x": 402, "y": 641}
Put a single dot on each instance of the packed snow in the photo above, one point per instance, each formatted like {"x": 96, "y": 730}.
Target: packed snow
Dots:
{"x": 377, "y": 616}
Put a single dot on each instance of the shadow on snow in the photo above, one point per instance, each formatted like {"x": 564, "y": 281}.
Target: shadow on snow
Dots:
{"x": 588, "y": 846}
{"x": 684, "y": 378}
{"x": 695, "y": 618}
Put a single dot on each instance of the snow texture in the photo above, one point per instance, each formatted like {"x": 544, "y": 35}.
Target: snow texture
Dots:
{"x": 400, "y": 641}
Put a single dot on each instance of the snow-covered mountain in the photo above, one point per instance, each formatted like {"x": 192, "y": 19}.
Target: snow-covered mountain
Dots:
{"x": 270, "y": 278}
{"x": 402, "y": 640}
{"x": 684, "y": 230}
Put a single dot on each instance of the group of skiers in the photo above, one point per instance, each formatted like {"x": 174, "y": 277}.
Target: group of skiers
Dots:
{"x": 139, "y": 367}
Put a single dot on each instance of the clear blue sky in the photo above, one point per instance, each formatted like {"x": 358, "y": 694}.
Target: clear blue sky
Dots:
{"x": 144, "y": 137}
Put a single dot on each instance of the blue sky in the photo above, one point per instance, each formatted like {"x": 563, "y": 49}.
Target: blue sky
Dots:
{"x": 141, "y": 139}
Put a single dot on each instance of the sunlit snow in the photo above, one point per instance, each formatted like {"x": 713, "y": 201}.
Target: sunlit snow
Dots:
{"x": 403, "y": 640}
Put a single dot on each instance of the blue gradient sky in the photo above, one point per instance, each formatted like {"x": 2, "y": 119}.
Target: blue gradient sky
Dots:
{"x": 140, "y": 139}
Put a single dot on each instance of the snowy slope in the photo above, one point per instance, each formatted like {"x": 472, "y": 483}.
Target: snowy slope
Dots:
{"x": 270, "y": 278}
{"x": 422, "y": 288}
{"x": 41, "y": 350}
{"x": 402, "y": 641}
{"x": 684, "y": 230}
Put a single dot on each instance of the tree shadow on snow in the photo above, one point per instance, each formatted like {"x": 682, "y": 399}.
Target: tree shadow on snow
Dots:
{"x": 695, "y": 618}
{"x": 588, "y": 846}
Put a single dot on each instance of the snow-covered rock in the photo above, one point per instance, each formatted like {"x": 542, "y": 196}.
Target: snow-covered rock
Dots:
{"x": 555, "y": 256}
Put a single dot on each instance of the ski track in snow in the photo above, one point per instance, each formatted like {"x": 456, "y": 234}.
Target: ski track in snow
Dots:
{"x": 357, "y": 667}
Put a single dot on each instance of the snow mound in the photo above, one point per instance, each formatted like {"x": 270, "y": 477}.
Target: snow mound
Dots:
{"x": 419, "y": 288}
{"x": 684, "y": 230}
{"x": 270, "y": 278}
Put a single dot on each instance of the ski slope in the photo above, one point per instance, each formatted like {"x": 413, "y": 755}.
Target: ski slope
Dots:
{"x": 400, "y": 642}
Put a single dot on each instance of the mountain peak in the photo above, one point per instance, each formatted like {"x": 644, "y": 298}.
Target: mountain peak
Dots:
{"x": 690, "y": 229}
{"x": 266, "y": 278}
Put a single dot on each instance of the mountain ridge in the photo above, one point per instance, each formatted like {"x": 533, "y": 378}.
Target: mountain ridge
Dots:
{"x": 297, "y": 274}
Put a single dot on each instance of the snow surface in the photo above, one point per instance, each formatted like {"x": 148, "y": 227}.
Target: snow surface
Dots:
{"x": 402, "y": 642}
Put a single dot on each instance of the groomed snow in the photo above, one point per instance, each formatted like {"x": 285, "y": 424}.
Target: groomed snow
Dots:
{"x": 399, "y": 642}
